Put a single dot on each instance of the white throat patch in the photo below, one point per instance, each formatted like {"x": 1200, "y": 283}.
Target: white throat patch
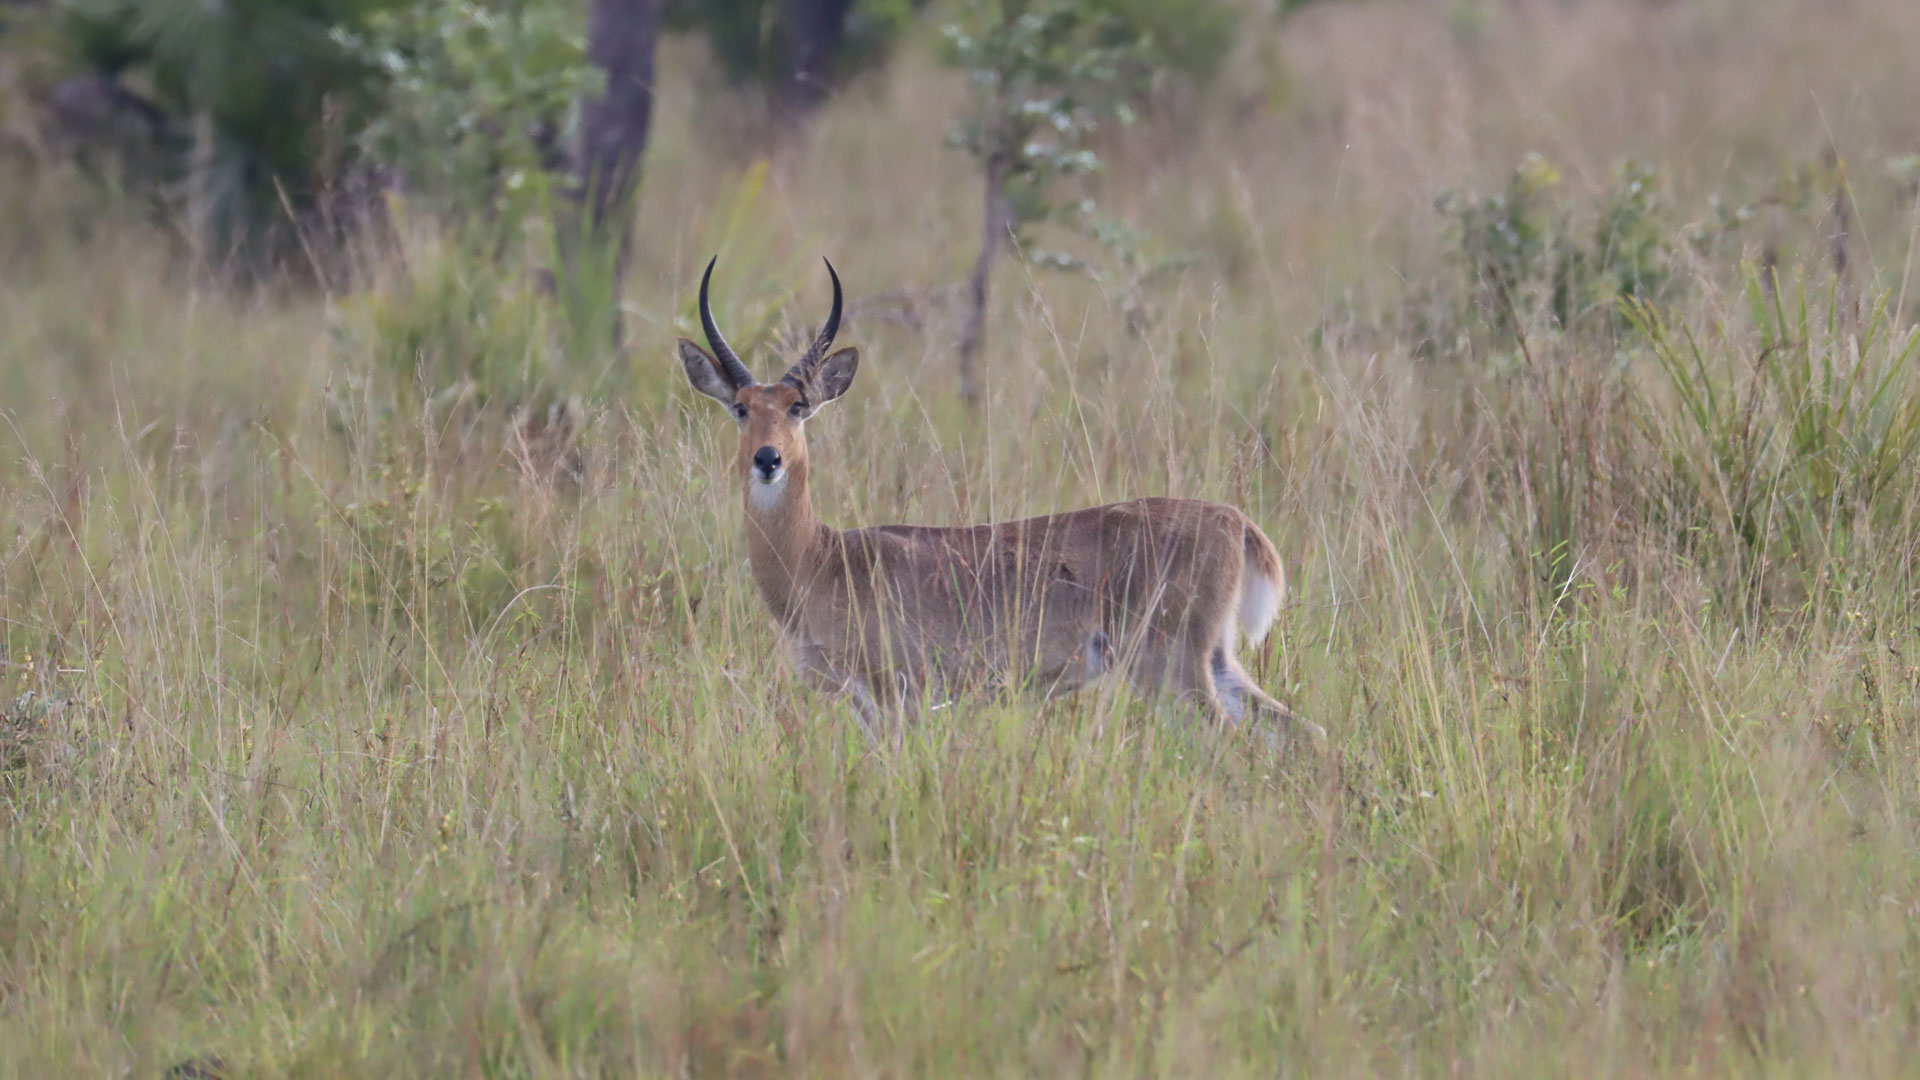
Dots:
{"x": 766, "y": 494}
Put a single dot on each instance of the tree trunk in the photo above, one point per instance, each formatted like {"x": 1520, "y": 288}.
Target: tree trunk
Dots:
{"x": 815, "y": 29}
{"x": 620, "y": 42}
{"x": 973, "y": 330}
{"x": 200, "y": 206}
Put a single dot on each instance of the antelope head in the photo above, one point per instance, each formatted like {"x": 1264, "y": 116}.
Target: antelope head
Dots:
{"x": 772, "y": 416}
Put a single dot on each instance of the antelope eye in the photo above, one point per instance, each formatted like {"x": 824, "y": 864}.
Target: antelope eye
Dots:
{"x": 798, "y": 410}
{"x": 739, "y": 411}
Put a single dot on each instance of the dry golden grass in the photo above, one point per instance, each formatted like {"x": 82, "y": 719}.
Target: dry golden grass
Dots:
{"x": 348, "y": 732}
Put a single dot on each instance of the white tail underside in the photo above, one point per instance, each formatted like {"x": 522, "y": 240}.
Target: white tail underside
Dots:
{"x": 1259, "y": 603}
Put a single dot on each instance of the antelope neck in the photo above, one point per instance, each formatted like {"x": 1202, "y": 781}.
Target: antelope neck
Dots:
{"x": 781, "y": 536}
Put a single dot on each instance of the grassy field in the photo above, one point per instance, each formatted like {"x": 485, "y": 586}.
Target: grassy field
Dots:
{"x": 351, "y": 724}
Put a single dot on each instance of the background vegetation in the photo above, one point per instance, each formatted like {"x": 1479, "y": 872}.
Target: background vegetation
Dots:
{"x": 382, "y": 693}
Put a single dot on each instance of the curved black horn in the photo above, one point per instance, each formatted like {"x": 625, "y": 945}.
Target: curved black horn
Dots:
{"x": 736, "y": 371}
{"x": 803, "y": 369}
{"x": 833, "y": 317}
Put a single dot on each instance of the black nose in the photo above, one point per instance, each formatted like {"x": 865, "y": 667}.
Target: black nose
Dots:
{"x": 767, "y": 460}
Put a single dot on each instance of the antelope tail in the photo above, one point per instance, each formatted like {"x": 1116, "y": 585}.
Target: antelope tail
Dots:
{"x": 1263, "y": 585}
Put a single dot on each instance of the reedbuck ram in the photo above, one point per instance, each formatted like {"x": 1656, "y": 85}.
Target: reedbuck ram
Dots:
{"x": 897, "y": 615}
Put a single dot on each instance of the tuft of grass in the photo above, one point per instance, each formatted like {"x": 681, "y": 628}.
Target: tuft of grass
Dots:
{"x": 1796, "y": 441}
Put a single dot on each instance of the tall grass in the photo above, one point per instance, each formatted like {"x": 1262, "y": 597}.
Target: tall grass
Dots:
{"x": 348, "y": 728}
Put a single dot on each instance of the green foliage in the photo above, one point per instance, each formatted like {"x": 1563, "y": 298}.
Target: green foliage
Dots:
{"x": 269, "y": 105}
{"x": 1527, "y": 253}
{"x": 1504, "y": 239}
{"x": 476, "y": 102}
{"x": 1190, "y": 37}
{"x": 1045, "y": 76}
{"x": 258, "y": 96}
{"x": 1627, "y": 256}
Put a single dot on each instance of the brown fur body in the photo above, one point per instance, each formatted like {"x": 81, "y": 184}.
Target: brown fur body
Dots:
{"x": 915, "y": 610}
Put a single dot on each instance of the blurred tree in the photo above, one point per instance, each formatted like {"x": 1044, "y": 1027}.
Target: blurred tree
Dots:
{"x": 621, "y": 36}
{"x": 797, "y": 50}
{"x": 814, "y": 31}
{"x": 261, "y": 110}
{"x": 250, "y": 102}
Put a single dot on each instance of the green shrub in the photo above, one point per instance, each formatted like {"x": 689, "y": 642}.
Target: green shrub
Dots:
{"x": 255, "y": 101}
{"x": 477, "y": 101}
{"x": 1531, "y": 259}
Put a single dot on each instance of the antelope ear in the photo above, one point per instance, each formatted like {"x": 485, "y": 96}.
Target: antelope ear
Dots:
{"x": 833, "y": 376}
{"x": 703, "y": 371}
